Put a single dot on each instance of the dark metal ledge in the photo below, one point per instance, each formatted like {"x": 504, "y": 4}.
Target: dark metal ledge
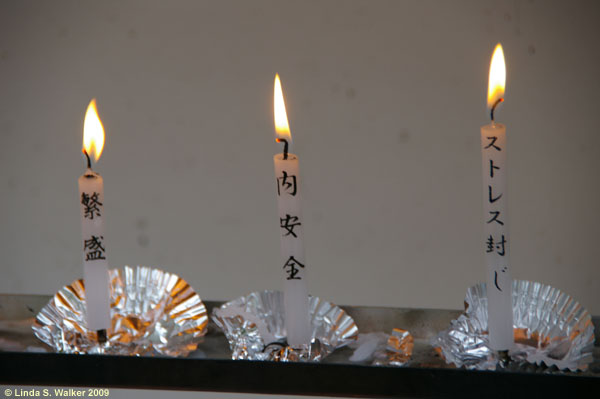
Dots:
{"x": 209, "y": 368}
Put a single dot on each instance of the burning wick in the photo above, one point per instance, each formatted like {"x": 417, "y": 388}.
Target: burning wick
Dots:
{"x": 494, "y": 107}
{"x": 285, "y": 147}
{"x": 89, "y": 161}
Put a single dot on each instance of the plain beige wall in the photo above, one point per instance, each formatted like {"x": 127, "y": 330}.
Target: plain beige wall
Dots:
{"x": 385, "y": 100}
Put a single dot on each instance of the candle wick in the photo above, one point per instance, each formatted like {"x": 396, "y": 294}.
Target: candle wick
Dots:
{"x": 285, "y": 147}
{"x": 89, "y": 161}
{"x": 494, "y": 107}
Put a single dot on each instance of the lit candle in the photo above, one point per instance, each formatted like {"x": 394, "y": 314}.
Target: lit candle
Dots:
{"x": 290, "y": 223}
{"x": 496, "y": 244}
{"x": 91, "y": 199}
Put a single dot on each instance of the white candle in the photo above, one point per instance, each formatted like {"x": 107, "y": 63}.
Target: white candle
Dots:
{"x": 496, "y": 241}
{"x": 91, "y": 199}
{"x": 293, "y": 265}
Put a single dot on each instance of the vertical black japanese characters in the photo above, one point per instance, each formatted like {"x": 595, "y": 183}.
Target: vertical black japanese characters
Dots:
{"x": 293, "y": 265}
{"x": 496, "y": 241}
{"x": 91, "y": 201}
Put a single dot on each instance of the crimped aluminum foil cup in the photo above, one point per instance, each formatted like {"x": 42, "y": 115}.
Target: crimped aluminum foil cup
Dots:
{"x": 153, "y": 313}
{"x": 255, "y": 328}
{"x": 550, "y": 327}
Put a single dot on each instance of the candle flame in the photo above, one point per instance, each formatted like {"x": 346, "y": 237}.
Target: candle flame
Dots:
{"x": 497, "y": 80}
{"x": 93, "y": 132}
{"x": 282, "y": 128}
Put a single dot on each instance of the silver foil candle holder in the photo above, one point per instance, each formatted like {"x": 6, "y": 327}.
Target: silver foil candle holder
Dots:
{"x": 255, "y": 328}
{"x": 550, "y": 327}
{"x": 152, "y": 313}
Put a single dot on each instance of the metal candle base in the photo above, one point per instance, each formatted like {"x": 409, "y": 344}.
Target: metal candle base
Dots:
{"x": 152, "y": 313}
{"x": 550, "y": 328}
{"x": 255, "y": 328}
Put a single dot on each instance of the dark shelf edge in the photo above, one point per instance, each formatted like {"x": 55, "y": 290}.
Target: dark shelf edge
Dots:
{"x": 281, "y": 378}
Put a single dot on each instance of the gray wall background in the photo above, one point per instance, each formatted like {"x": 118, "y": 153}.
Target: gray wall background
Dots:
{"x": 385, "y": 100}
